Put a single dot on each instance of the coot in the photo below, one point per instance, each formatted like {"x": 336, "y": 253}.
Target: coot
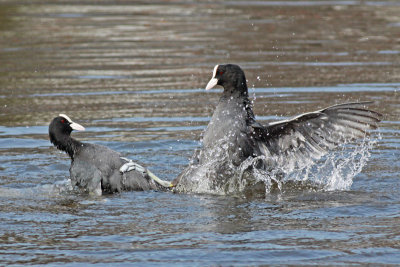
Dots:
{"x": 97, "y": 168}
{"x": 233, "y": 135}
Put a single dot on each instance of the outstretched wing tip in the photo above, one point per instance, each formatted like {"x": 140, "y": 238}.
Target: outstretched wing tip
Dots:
{"x": 315, "y": 133}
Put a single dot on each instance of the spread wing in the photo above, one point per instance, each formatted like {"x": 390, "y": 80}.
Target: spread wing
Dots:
{"x": 311, "y": 135}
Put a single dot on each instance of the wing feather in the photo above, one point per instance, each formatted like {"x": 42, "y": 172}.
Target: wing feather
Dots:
{"x": 311, "y": 135}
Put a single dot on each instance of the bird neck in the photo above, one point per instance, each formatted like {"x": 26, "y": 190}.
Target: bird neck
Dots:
{"x": 241, "y": 99}
{"x": 237, "y": 89}
{"x": 66, "y": 143}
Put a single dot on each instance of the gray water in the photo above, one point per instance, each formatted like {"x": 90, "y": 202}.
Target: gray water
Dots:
{"x": 133, "y": 73}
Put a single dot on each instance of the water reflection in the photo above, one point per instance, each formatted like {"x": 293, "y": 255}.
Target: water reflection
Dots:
{"x": 87, "y": 49}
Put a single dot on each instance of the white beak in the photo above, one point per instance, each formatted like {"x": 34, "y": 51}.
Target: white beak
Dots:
{"x": 77, "y": 126}
{"x": 73, "y": 125}
{"x": 213, "y": 82}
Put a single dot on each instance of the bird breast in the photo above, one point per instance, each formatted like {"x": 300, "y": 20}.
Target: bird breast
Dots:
{"x": 227, "y": 124}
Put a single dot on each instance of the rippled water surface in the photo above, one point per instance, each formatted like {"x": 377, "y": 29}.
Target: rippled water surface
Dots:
{"x": 133, "y": 73}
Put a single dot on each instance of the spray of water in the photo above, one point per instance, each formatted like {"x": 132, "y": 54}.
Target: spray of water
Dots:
{"x": 216, "y": 173}
{"x": 336, "y": 170}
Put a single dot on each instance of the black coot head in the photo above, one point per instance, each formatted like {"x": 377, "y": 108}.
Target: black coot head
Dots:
{"x": 63, "y": 126}
{"x": 230, "y": 76}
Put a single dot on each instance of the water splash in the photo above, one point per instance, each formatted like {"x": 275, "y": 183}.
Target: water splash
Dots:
{"x": 253, "y": 91}
{"x": 216, "y": 173}
{"x": 336, "y": 170}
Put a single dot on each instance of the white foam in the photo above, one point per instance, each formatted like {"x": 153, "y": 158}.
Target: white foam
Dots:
{"x": 334, "y": 171}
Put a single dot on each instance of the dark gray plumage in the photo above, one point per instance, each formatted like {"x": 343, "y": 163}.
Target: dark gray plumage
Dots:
{"x": 96, "y": 168}
{"x": 289, "y": 143}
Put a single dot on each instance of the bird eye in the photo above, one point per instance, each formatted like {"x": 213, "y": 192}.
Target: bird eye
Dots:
{"x": 220, "y": 72}
{"x": 62, "y": 121}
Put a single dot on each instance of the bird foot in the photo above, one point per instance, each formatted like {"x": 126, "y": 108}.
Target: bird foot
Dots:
{"x": 130, "y": 165}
